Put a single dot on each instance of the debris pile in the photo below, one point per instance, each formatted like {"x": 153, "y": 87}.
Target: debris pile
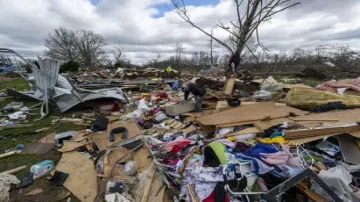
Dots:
{"x": 153, "y": 146}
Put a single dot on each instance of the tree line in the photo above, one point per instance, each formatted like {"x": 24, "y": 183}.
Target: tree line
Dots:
{"x": 82, "y": 48}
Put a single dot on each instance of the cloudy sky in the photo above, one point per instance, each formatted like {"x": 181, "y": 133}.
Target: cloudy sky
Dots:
{"x": 146, "y": 28}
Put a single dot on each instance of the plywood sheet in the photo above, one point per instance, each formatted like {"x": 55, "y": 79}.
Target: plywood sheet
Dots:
{"x": 294, "y": 134}
{"x": 310, "y": 139}
{"x": 344, "y": 116}
{"x": 246, "y": 113}
{"x": 50, "y": 138}
{"x": 116, "y": 153}
{"x": 82, "y": 175}
{"x": 37, "y": 148}
{"x": 102, "y": 141}
{"x": 141, "y": 158}
{"x": 71, "y": 145}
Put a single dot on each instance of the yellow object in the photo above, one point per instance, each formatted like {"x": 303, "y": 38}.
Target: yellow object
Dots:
{"x": 169, "y": 69}
{"x": 231, "y": 139}
{"x": 357, "y": 143}
{"x": 278, "y": 139}
{"x": 307, "y": 98}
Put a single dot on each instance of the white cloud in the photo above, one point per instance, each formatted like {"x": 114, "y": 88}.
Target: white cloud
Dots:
{"x": 25, "y": 24}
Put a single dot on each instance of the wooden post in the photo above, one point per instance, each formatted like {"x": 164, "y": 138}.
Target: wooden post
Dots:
{"x": 229, "y": 86}
{"x": 8, "y": 154}
{"x": 15, "y": 170}
{"x": 150, "y": 178}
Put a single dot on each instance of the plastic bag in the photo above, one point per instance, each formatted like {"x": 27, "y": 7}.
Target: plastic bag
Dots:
{"x": 130, "y": 168}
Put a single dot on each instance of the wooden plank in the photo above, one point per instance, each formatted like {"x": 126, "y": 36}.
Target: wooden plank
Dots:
{"x": 344, "y": 116}
{"x": 82, "y": 175}
{"x": 253, "y": 112}
{"x": 102, "y": 140}
{"x": 8, "y": 154}
{"x": 159, "y": 197}
{"x": 310, "y": 139}
{"x": 17, "y": 126}
{"x": 304, "y": 187}
{"x": 229, "y": 86}
{"x": 15, "y": 170}
{"x": 305, "y": 118}
{"x": 149, "y": 180}
{"x": 321, "y": 131}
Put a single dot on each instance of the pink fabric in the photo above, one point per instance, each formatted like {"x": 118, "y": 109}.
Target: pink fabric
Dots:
{"x": 283, "y": 157}
{"x": 332, "y": 85}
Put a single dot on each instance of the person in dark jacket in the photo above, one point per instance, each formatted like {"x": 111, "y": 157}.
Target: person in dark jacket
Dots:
{"x": 234, "y": 62}
{"x": 198, "y": 91}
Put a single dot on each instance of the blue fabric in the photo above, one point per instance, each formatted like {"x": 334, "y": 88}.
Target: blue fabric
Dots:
{"x": 175, "y": 85}
{"x": 260, "y": 148}
{"x": 257, "y": 166}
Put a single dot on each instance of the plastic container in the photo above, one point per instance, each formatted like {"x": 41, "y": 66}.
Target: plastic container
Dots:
{"x": 42, "y": 168}
{"x": 59, "y": 138}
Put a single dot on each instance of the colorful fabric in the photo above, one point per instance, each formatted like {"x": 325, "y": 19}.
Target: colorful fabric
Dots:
{"x": 283, "y": 157}
{"x": 219, "y": 150}
{"x": 277, "y": 139}
{"x": 260, "y": 148}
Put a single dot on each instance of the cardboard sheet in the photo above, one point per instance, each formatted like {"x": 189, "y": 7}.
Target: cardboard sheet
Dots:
{"x": 247, "y": 113}
{"x": 82, "y": 180}
{"x": 37, "y": 148}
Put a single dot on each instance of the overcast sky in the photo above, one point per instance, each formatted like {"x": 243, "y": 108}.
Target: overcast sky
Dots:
{"x": 146, "y": 27}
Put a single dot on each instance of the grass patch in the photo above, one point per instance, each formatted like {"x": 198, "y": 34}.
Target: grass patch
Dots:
{"x": 9, "y": 138}
{"x": 292, "y": 80}
{"x": 19, "y": 84}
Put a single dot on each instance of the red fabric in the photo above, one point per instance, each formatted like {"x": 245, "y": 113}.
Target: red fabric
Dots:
{"x": 211, "y": 198}
{"x": 332, "y": 85}
{"x": 162, "y": 95}
{"x": 176, "y": 146}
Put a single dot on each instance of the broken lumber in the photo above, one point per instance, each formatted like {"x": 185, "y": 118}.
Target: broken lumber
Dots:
{"x": 15, "y": 170}
{"x": 150, "y": 178}
{"x": 309, "y": 119}
{"x": 17, "y": 126}
{"x": 229, "y": 86}
{"x": 294, "y": 134}
{"x": 8, "y": 154}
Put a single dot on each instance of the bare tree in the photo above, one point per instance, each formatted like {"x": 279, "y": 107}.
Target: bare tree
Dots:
{"x": 247, "y": 22}
{"x": 117, "y": 51}
{"x": 203, "y": 58}
{"x": 90, "y": 47}
{"x": 62, "y": 45}
{"x": 195, "y": 59}
{"x": 178, "y": 51}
